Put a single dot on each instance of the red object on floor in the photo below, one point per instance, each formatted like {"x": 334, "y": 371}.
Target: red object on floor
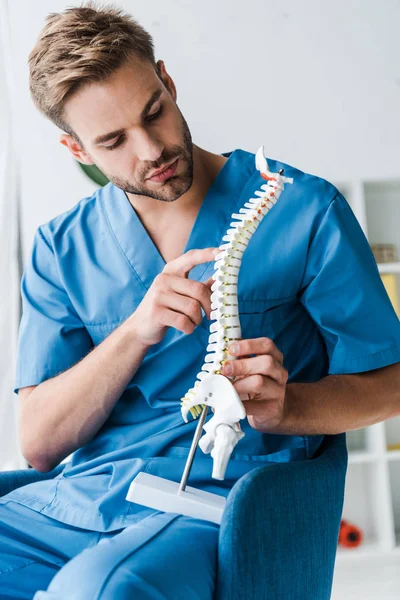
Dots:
{"x": 350, "y": 536}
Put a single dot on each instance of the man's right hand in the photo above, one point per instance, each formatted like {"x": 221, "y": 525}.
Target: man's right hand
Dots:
{"x": 87, "y": 392}
{"x": 173, "y": 300}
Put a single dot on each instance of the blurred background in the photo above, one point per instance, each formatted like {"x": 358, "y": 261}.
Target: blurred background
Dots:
{"x": 318, "y": 83}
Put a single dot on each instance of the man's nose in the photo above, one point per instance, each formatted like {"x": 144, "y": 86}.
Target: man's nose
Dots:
{"x": 148, "y": 149}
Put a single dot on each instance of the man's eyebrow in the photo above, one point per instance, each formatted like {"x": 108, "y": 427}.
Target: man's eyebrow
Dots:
{"x": 109, "y": 136}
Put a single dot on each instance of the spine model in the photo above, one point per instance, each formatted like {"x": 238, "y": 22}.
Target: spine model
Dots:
{"x": 209, "y": 389}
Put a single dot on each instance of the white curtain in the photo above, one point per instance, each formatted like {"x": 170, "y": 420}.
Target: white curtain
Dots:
{"x": 10, "y": 272}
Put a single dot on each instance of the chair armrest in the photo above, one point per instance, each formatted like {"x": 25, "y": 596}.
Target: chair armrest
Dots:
{"x": 279, "y": 532}
{"x": 11, "y": 480}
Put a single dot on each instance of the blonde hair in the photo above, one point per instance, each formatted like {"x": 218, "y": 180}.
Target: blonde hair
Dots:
{"x": 81, "y": 45}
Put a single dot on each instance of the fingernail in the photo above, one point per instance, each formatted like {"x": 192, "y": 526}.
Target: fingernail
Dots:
{"x": 233, "y": 348}
{"x": 228, "y": 369}
{"x": 217, "y": 251}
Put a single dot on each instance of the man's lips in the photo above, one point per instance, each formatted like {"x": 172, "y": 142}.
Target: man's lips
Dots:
{"x": 165, "y": 173}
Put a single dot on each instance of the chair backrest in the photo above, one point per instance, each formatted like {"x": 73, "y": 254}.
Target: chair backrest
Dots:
{"x": 279, "y": 532}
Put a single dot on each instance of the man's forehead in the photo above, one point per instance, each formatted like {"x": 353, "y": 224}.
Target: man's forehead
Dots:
{"x": 92, "y": 110}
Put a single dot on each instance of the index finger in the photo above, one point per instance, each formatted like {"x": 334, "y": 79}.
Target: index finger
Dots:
{"x": 184, "y": 263}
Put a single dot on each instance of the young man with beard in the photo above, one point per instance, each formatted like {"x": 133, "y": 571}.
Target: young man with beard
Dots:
{"x": 113, "y": 333}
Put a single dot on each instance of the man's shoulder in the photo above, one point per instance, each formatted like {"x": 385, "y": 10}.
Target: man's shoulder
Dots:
{"x": 81, "y": 220}
{"x": 314, "y": 190}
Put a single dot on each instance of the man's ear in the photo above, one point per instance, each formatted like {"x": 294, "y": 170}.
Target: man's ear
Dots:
{"x": 166, "y": 79}
{"x": 76, "y": 149}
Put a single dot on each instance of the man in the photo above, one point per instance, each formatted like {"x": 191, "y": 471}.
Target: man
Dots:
{"x": 113, "y": 334}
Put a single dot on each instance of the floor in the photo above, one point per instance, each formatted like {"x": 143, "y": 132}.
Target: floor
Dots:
{"x": 367, "y": 579}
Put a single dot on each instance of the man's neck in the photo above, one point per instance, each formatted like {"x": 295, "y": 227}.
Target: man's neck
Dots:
{"x": 169, "y": 223}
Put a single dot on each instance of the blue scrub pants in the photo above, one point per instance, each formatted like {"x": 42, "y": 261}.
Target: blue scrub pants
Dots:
{"x": 164, "y": 556}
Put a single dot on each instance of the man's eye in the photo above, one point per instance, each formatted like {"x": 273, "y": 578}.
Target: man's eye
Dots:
{"x": 152, "y": 117}
{"x": 117, "y": 143}
{"x": 155, "y": 115}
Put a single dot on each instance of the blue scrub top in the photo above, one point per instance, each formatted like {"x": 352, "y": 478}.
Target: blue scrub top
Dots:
{"x": 308, "y": 280}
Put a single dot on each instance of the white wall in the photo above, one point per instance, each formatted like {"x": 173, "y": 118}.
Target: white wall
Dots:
{"x": 317, "y": 83}
{"x": 10, "y": 455}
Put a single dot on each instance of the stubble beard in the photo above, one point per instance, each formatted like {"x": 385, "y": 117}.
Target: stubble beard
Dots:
{"x": 177, "y": 185}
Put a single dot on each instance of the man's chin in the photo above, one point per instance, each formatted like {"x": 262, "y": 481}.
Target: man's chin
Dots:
{"x": 168, "y": 191}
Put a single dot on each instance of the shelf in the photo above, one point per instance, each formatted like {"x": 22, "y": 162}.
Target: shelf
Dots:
{"x": 355, "y": 441}
{"x": 394, "y": 475}
{"x": 393, "y": 454}
{"x": 356, "y": 458}
{"x": 382, "y": 204}
{"x": 367, "y": 443}
{"x": 393, "y": 267}
{"x": 392, "y": 434}
{"x": 372, "y": 494}
{"x": 378, "y": 188}
{"x": 363, "y": 502}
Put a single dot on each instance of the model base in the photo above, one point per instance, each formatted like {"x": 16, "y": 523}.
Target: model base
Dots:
{"x": 163, "y": 494}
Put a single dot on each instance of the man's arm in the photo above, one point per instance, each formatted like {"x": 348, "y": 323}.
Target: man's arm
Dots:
{"x": 340, "y": 403}
{"x": 335, "y": 404}
{"x": 63, "y": 413}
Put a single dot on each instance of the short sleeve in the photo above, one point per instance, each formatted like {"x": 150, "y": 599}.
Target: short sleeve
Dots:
{"x": 52, "y": 337}
{"x": 344, "y": 295}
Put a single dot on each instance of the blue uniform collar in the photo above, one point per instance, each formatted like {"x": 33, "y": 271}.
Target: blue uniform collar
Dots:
{"x": 226, "y": 195}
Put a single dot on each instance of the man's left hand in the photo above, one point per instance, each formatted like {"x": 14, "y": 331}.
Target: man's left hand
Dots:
{"x": 260, "y": 381}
